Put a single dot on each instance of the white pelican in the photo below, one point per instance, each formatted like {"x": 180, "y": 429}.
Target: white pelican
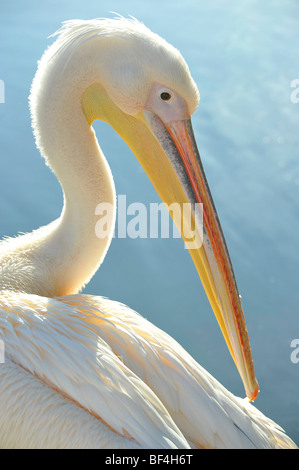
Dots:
{"x": 83, "y": 371}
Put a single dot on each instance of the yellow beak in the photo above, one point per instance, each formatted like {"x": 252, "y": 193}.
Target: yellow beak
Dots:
{"x": 169, "y": 155}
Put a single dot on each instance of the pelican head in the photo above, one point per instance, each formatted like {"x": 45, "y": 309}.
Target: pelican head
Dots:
{"x": 120, "y": 72}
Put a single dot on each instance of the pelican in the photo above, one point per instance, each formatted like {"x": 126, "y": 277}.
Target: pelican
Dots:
{"x": 86, "y": 372}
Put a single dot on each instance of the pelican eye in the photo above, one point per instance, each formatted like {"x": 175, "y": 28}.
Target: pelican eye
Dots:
{"x": 165, "y": 96}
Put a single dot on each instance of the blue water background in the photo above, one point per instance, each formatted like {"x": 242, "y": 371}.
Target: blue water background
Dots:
{"x": 243, "y": 56}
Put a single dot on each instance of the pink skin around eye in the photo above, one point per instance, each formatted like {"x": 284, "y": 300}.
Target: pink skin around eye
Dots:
{"x": 172, "y": 109}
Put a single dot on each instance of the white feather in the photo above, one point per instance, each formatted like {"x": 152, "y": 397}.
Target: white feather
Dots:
{"x": 136, "y": 382}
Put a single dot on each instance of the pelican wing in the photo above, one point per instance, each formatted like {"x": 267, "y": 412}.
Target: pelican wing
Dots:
{"x": 207, "y": 413}
{"x": 59, "y": 366}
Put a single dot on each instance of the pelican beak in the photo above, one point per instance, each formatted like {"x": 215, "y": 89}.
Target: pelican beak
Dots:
{"x": 168, "y": 153}
{"x": 204, "y": 239}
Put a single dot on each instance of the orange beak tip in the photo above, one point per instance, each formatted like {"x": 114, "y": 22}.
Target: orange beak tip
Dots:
{"x": 255, "y": 393}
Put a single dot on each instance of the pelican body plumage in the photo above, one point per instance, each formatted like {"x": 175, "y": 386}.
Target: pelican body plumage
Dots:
{"x": 87, "y": 372}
